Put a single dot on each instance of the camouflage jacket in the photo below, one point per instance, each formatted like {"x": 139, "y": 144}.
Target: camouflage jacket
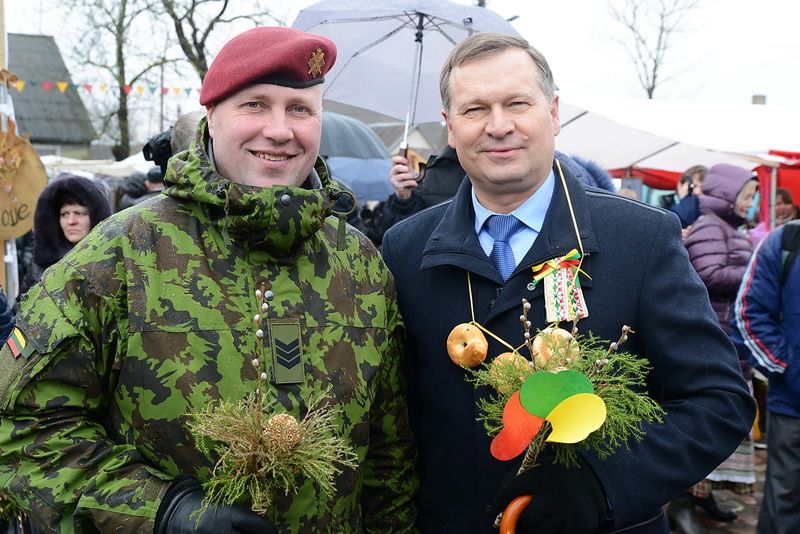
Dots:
{"x": 150, "y": 317}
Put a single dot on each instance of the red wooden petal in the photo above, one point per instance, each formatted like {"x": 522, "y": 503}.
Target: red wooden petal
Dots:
{"x": 519, "y": 427}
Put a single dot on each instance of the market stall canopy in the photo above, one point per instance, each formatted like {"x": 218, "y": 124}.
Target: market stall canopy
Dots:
{"x": 106, "y": 167}
{"x": 654, "y": 135}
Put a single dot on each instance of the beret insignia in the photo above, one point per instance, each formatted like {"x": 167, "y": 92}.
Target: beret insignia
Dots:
{"x": 316, "y": 62}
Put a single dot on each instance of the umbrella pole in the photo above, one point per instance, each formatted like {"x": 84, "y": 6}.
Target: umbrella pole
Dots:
{"x": 404, "y": 143}
{"x": 415, "y": 75}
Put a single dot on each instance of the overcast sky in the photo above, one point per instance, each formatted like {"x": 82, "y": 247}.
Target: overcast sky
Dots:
{"x": 730, "y": 49}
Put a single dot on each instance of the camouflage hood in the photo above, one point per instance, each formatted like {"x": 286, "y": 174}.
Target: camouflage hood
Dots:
{"x": 249, "y": 214}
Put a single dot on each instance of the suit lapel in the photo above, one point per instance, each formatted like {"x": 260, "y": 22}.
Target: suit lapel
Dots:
{"x": 454, "y": 241}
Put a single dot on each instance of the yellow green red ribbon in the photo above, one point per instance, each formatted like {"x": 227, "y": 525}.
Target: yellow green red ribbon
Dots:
{"x": 569, "y": 260}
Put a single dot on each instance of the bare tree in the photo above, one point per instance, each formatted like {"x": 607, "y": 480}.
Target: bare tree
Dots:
{"x": 195, "y": 21}
{"x": 119, "y": 41}
{"x": 650, "y": 25}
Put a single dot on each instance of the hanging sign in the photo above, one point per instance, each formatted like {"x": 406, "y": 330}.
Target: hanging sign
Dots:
{"x": 22, "y": 179}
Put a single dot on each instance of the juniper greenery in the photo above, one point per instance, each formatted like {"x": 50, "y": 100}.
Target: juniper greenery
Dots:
{"x": 262, "y": 452}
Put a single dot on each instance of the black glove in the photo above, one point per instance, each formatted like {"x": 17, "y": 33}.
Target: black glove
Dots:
{"x": 565, "y": 499}
{"x": 184, "y": 497}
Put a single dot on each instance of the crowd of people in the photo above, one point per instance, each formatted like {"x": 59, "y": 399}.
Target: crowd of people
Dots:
{"x": 716, "y": 207}
{"x": 231, "y": 272}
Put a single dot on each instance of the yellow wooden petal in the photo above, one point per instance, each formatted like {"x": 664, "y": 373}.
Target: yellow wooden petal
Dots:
{"x": 576, "y": 417}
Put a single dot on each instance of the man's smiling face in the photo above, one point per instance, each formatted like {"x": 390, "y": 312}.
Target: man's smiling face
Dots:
{"x": 266, "y": 134}
{"x": 503, "y": 126}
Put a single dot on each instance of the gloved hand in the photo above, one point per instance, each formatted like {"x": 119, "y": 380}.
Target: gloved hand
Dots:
{"x": 565, "y": 500}
{"x": 185, "y": 496}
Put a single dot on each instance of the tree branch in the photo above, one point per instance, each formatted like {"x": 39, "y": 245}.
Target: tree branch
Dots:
{"x": 649, "y": 29}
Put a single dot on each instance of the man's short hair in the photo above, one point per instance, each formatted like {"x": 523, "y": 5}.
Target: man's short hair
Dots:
{"x": 689, "y": 174}
{"x": 184, "y": 130}
{"x": 155, "y": 176}
{"x": 484, "y": 44}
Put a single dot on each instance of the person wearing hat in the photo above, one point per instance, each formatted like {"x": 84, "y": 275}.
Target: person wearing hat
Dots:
{"x": 236, "y": 274}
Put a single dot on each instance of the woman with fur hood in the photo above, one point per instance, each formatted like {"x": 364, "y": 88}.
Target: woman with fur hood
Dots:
{"x": 68, "y": 208}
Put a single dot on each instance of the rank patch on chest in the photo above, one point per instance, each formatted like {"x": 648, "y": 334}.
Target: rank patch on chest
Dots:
{"x": 287, "y": 352}
{"x": 19, "y": 344}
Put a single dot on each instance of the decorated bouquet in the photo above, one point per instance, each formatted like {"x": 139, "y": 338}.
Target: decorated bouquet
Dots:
{"x": 556, "y": 389}
{"x": 263, "y": 452}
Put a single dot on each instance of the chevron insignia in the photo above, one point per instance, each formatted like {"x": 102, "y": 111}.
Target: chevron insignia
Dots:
{"x": 287, "y": 352}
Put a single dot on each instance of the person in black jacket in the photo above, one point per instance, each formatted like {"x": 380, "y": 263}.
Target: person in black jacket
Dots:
{"x": 690, "y": 187}
{"x": 502, "y": 118}
{"x": 443, "y": 175}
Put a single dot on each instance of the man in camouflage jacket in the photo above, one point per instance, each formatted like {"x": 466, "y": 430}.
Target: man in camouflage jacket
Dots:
{"x": 150, "y": 318}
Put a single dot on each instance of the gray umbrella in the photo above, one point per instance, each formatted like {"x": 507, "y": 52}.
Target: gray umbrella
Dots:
{"x": 344, "y": 136}
{"x": 388, "y": 49}
{"x": 368, "y": 179}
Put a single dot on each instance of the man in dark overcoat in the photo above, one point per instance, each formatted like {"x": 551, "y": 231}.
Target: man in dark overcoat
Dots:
{"x": 448, "y": 262}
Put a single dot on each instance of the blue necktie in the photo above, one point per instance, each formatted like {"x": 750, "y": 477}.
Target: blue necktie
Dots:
{"x": 501, "y": 228}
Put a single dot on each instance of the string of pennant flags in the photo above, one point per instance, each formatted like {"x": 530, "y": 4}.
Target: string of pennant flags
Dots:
{"x": 49, "y": 86}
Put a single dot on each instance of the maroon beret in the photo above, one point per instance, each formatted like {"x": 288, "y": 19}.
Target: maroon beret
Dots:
{"x": 276, "y": 55}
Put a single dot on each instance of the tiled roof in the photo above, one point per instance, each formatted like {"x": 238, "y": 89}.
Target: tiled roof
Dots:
{"x": 48, "y": 116}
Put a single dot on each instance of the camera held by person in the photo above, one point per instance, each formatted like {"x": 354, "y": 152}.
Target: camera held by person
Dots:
{"x": 158, "y": 150}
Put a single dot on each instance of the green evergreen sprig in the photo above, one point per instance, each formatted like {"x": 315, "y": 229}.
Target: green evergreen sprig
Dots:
{"x": 261, "y": 455}
{"x": 8, "y": 509}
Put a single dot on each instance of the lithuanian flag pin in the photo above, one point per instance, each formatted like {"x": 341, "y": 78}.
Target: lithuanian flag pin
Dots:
{"x": 18, "y": 344}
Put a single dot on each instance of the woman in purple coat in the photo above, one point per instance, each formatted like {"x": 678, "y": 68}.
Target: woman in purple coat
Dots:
{"x": 719, "y": 251}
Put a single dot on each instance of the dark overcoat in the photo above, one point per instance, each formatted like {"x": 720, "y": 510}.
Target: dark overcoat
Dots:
{"x": 640, "y": 276}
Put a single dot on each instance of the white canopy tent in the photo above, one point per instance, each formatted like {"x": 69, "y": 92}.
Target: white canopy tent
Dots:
{"x": 673, "y": 136}
{"x": 653, "y": 138}
{"x": 107, "y": 167}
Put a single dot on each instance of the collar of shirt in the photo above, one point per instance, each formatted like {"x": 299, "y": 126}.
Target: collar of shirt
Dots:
{"x": 532, "y": 213}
